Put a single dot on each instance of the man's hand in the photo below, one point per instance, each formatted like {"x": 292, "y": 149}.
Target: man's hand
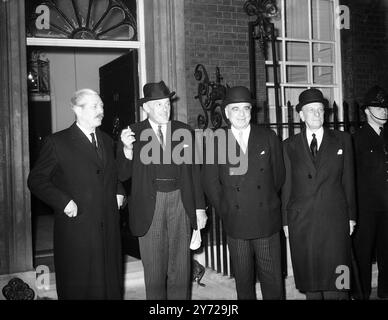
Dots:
{"x": 285, "y": 229}
{"x": 120, "y": 200}
{"x": 71, "y": 209}
{"x": 201, "y": 218}
{"x": 352, "y": 224}
{"x": 128, "y": 138}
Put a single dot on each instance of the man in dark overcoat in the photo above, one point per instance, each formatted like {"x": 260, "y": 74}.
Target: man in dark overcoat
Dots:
{"x": 318, "y": 198}
{"x": 76, "y": 174}
{"x": 167, "y": 200}
{"x": 245, "y": 196}
{"x": 371, "y": 150}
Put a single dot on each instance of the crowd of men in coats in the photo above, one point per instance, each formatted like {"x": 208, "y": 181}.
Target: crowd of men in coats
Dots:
{"x": 326, "y": 191}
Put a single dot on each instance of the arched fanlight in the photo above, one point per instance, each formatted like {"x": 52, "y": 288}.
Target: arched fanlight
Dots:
{"x": 82, "y": 19}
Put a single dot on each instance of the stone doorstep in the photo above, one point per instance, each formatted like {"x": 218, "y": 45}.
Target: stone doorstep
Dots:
{"x": 135, "y": 277}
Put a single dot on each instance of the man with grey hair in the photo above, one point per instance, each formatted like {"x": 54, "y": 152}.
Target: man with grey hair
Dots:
{"x": 76, "y": 175}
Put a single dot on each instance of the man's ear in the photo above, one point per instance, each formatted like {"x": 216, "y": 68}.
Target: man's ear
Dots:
{"x": 146, "y": 107}
{"x": 226, "y": 112}
{"x": 301, "y": 115}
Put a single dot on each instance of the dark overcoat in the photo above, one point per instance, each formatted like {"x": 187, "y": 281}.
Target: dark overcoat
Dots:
{"x": 372, "y": 177}
{"x": 248, "y": 203}
{"x": 87, "y": 250}
{"x": 318, "y": 200}
{"x": 143, "y": 174}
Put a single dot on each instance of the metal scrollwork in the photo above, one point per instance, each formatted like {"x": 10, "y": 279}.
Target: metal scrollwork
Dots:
{"x": 210, "y": 96}
{"x": 264, "y": 11}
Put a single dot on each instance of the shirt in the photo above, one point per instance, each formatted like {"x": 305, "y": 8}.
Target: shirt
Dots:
{"x": 245, "y": 134}
{"x": 88, "y": 132}
{"x": 155, "y": 127}
{"x": 318, "y": 136}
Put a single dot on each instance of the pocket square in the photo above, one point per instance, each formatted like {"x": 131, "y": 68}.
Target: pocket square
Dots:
{"x": 185, "y": 146}
{"x": 340, "y": 151}
{"x": 262, "y": 153}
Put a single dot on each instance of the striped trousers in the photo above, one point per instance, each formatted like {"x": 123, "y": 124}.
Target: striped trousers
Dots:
{"x": 265, "y": 255}
{"x": 165, "y": 250}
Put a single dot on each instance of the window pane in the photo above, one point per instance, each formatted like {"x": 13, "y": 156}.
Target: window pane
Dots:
{"x": 323, "y": 75}
{"x": 297, "y": 74}
{"x": 292, "y": 95}
{"x": 297, "y": 19}
{"x": 279, "y": 53}
{"x": 270, "y": 75}
{"x": 323, "y": 19}
{"x": 297, "y": 51}
{"x": 323, "y": 52}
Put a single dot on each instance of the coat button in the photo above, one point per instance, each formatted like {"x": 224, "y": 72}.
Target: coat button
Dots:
{"x": 262, "y": 169}
{"x": 98, "y": 171}
{"x": 259, "y": 187}
{"x": 237, "y": 206}
{"x": 238, "y": 189}
{"x": 310, "y": 176}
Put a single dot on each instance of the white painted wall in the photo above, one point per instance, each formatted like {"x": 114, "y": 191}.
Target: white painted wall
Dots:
{"x": 72, "y": 69}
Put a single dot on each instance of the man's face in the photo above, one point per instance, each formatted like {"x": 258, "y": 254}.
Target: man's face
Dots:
{"x": 239, "y": 114}
{"x": 312, "y": 115}
{"x": 90, "y": 112}
{"x": 158, "y": 110}
{"x": 377, "y": 115}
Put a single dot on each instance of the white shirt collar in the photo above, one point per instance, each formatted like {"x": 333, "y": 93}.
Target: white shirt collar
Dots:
{"x": 245, "y": 133}
{"x": 318, "y": 136}
{"x": 375, "y": 127}
{"x": 87, "y": 132}
{"x": 155, "y": 126}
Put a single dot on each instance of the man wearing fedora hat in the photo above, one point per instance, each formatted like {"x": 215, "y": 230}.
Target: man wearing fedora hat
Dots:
{"x": 318, "y": 199}
{"x": 248, "y": 201}
{"x": 371, "y": 150}
{"x": 166, "y": 197}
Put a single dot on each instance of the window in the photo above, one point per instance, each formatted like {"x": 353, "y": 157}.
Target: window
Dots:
{"x": 308, "y": 52}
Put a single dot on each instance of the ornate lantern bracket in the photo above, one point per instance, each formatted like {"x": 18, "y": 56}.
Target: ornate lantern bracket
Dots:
{"x": 210, "y": 96}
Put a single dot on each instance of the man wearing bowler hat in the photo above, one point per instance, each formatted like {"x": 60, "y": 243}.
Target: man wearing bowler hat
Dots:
{"x": 318, "y": 199}
{"x": 166, "y": 195}
{"x": 371, "y": 149}
{"x": 247, "y": 200}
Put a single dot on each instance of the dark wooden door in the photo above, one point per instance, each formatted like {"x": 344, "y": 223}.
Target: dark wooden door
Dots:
{"x": 119, "y": 87}
{"x": 119, "y": 92}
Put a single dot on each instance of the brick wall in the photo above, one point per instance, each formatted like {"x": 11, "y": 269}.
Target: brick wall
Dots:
{"x": 217, "y": 35}
{"x": 365, "y": 48}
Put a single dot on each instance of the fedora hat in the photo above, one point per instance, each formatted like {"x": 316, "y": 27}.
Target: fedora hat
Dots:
{"x": 236, "y": 95}
{"x": 375, "y": 97}
{"x": 310, "y": 96}
{"x": 155, "y": 91}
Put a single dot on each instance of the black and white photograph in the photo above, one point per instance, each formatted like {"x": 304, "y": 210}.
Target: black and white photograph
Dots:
{"x": 192, "y": 154}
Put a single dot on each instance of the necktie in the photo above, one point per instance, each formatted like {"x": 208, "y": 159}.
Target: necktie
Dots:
{"x": 381, "y": 132}
{"x": 314, "y": 146}
{"x": 160, "y": 136}
{"x": 94, "y": 142}
{"x": 241, "y": 141}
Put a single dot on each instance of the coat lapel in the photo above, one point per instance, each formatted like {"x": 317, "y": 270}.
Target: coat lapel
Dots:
{"x": 327, "y": 148}
{"x": 83, "y": 144}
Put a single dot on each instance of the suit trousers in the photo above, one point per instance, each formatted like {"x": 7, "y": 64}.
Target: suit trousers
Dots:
{"x": 165, "y": 250}
{"x": 266, "y": 253}
{"x": 370, "y": 238}
{"x": 327, "y": 295}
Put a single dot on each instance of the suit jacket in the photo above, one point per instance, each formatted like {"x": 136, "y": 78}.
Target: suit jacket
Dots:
{"x": 87, "y": 250}
{"x": 372, "y": 176}
{"x": 143, "y": 189}
{"x": 248, "y": 204}
{"x": 318, "y": 200}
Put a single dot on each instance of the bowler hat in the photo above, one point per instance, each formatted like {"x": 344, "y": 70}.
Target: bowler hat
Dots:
{"x": 236, "y": 95}
{"x": 310, "y": 96}
{"x": 155, "y": 91}
{"x": 375, "y": 97}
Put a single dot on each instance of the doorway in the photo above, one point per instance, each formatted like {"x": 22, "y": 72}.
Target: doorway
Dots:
{"x": 54, "y": 74}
